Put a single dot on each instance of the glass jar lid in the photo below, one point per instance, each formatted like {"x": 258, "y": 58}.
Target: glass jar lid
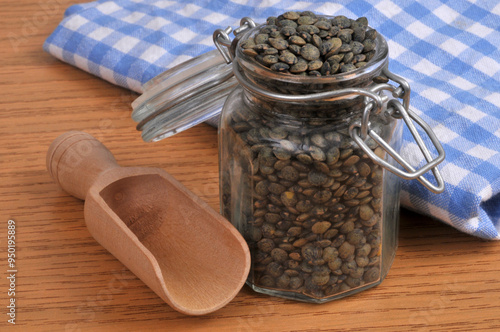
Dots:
{"x": 183, "y": 96}
{"x": 191, "y": 92}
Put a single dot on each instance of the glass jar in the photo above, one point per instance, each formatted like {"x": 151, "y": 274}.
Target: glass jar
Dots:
{"x": 309, "y": 166}
{"x": 319, "y": 211}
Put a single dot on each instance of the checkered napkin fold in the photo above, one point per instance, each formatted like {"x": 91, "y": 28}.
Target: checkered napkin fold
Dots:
{"x": 447, "y": 50}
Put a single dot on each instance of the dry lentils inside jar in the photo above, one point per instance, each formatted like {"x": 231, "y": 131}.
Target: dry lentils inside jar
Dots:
{"x": 304, "y": 44}
{"x": 309, "y": 201}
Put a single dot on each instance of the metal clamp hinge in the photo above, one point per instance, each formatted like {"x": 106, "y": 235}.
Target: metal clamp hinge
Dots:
{"x": 361, "y": 129}
{"x": 223, "y": 42}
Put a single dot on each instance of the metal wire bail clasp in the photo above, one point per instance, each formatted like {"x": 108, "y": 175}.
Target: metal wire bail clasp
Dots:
{"x": 360, "y": 129}
{"x": 224, "y": 43}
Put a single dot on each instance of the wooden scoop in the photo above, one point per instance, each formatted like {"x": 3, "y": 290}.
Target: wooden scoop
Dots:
{"x": 188, "y": 254}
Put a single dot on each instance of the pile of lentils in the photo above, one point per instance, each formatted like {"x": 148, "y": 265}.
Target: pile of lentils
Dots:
{"x": 303, "y": 43}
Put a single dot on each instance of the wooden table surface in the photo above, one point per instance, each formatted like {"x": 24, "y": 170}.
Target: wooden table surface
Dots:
{"x": 441, "y": 279}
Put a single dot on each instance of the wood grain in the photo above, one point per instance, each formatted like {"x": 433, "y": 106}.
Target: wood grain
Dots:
{"x": 441, "y": 280}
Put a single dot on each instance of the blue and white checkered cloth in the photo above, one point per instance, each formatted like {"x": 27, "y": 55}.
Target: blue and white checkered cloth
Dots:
{"x": 447, "y": 50}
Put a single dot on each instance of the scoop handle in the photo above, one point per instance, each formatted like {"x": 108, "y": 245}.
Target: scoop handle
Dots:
{"x": 76, "y": 159}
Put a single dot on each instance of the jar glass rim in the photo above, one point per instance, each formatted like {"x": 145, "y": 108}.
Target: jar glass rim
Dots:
{"x": 373, "y": 66}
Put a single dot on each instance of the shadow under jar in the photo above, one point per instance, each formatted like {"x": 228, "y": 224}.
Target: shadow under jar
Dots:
{"x": 319, "y": 215}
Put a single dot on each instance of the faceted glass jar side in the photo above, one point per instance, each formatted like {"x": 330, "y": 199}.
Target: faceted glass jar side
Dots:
{"x": 320, "y": 217}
